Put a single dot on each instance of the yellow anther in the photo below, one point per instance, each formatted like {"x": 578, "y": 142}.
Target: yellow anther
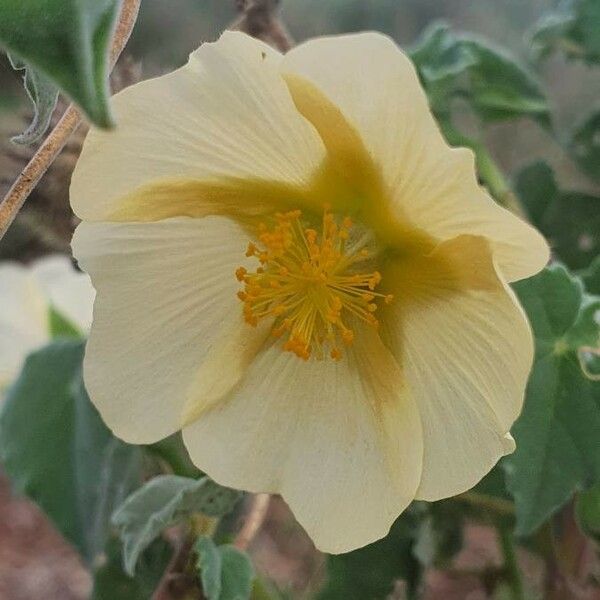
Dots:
{"x": 310, "y": 284}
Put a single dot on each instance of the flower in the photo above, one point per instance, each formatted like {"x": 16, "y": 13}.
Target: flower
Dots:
{"x": 294, "y": 268}
{"x": 28, "y": 295}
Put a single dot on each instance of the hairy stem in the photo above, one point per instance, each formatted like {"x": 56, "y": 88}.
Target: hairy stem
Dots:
{"x": 513, "y": 574}
{"x": 58, "y": 137}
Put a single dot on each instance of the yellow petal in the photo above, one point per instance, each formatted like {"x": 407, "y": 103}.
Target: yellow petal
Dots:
{"x": 165, "y": 295}
{"x": 341, "y": 441}
{"x": 377, "y": 89}
{"x": 227, "y": 114}
{"x": 466, "y": 349}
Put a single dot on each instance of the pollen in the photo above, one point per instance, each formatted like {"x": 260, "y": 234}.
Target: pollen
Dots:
{"x": 312, "y": 283}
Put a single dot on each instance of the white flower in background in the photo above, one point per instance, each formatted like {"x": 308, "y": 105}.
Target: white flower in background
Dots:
{"x": 28, "y": 294}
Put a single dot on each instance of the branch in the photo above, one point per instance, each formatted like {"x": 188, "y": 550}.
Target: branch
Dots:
{"x": 259, "y": 19}
{"x": 253, "y": 522}
{"x": 175, "y": 583}
{"x": 58, "y": 137}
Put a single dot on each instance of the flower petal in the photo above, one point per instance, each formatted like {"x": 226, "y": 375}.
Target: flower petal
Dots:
{"x": 466, "y": 349}
{"x": 166, "y": 292}
{"x": 24, "y": 324}
{"x": 68, "y": 290}
{"x": 227, "y": 114}
{"x": 341, "y": 441}
{"x": 377, "y": 88}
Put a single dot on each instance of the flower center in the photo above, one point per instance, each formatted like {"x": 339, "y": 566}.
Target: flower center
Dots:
{"x": 313, "y": 283}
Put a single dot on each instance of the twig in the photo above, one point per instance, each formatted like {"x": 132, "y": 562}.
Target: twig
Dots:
{"x": 498, "y": 505}
{"x": 253, "y": 522}
{"x": 175, "y": 582}
{"x": 513, "y": 573}
{"x": 58, "y": 137}
{"x": 259, "y": 19}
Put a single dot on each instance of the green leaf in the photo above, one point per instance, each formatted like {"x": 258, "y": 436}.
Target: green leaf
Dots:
{"x": 370, "y": 572}
{"x": 570, "y": 220}
{"x": 172, "y": 450}
{"x": 57, "y": 451}
{"x": 112, "y": 583}
{"x": 439, "y": 55}
{"x": 587, "y": 511}
{"x": 226, "y": 572}
{"x": 557, "y": 433}
{"x": 209, "y": 566}
{"x": 501, "y": 88}
{"x": 66, "y": 42}
{"x": 495, "y": 84}
{"x": 43, "y": 95}
{"x": 584, "y": 144}
{"x": 61, "y": 326}
{"x": 591, "y": 277}
{"x": 162, "y": 502}
{"x": 574, "y": 29}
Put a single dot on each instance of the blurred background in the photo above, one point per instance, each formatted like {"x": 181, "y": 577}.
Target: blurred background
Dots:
{"x": 34, "y": 560}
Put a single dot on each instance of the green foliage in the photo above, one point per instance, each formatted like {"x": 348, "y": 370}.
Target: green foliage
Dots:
{"x": 112, "y": 583}
{"x": 574, "y": 29}
{"x": 587, "y": 511}
{"x": 591, "y": 277}
{"x": 439, "y": 534}
{"x": 60, "y": 326}
{"x": 162, "y": 502}
{"x": 493, "y": 82}
{"x": 570, "y": 220}
{"x": 226, "y": 573}
{"x": 584, "y": 144}
{"x": 43, "y": 95}
{"x": 57, "y": 451}
{"x": 174, "y": 453}
{"x": 65, "y": 42}
{"x": 370, "y": 572}
{"x": 557, "y": 433}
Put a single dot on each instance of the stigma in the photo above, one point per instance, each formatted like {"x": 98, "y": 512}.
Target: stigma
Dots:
{"x": 313, "y": 283}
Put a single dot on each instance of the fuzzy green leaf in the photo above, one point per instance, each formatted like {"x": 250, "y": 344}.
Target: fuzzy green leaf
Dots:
{"x": 557, "y": 433}
{"x": 43, "y": 95}
{"x": 226, "y": 572}
{"x": 66, "y": 42}
{"x": 587, "y": 511}
{"x": 591, "y": 277}
{"x": 495, "y": 84}
{"x": 570, "y": 220}
{"x": 57, "y": 451}
{"x": 162, "y": 502}
{"x": 112, "y": 583}
{"x": 585, "y": 144}
{"x": 573, "y": 29}
{"x": 371, "y": 572}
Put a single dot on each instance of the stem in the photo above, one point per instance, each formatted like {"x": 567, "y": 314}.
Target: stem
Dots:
{"x": 58, "y": 137}
{"x": 511, "y": 566}
{"x": 497, "y": 505}
{"x": 253, "y": 522}
{"x": 259, "y": 19}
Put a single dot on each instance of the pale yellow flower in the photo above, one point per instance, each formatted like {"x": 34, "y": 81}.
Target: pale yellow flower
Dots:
{"x": 27, "y": 293}
{"x": 293, "y": 267}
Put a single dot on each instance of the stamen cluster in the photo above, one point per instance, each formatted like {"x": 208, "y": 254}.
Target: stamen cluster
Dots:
{"x": 311, "y": 283}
